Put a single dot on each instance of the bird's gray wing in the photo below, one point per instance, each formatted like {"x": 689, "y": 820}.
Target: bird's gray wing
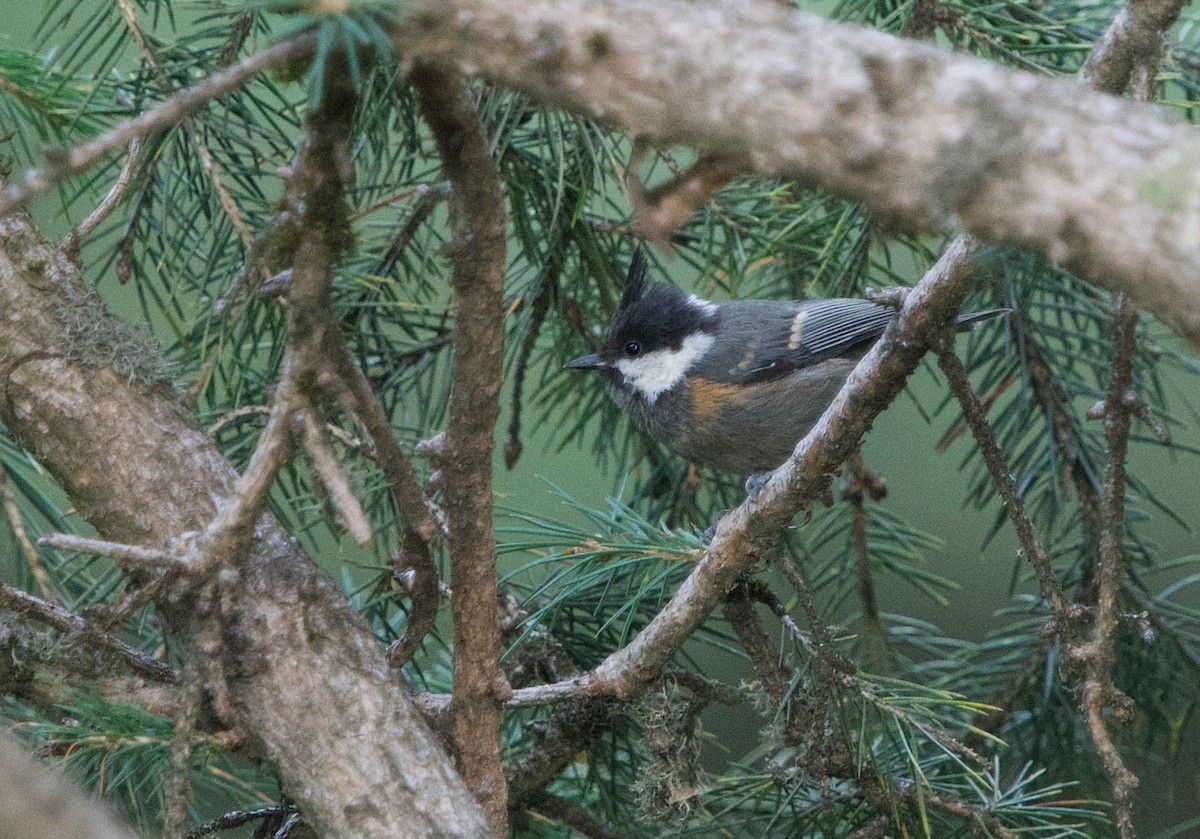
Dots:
{"x": 763, "y": 340}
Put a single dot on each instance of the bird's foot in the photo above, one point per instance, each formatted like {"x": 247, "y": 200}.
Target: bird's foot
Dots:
{"x": 711, "y": 530}
{"x": 755, "y": 484}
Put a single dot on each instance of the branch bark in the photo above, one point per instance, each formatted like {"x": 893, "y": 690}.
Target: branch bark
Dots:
{"x": 477, "y": 279}
{"x": 1098, "y": 689}
{"x": 926, "y": 138}
{"x": 292, "y": 647}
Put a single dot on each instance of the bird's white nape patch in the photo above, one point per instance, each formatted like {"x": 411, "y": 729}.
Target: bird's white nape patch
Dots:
{"x": 657, "y": 372}
{"x": 706, "y": 306}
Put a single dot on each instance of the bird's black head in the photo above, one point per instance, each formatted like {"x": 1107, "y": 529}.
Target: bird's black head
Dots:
{"x": 657, "y": 334}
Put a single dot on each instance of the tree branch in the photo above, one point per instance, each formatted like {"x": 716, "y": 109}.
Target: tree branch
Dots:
{"x": 74, "y": 626}
{"x": 1098, "y": 689}
{"x": 923, "y": 137}
{"x": 747, "y": 533}
{"x": 1002, "y": 479}
{"x": 477, "y": 279}
{"x": 299, "y": 649}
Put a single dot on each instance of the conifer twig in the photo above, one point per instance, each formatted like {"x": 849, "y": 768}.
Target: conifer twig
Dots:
{"x": 76, "y": 627}
{"x": 1002, "y": 479}
{"x": 1098, "y": 690}
{"x": 863, "y": 483}
{"x": 62, "y": 165}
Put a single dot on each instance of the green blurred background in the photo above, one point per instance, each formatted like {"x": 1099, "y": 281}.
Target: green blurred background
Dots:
{"x": 925, "y": 488}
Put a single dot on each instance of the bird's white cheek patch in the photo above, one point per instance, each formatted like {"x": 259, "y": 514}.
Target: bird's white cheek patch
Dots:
{"x": 659, "y": 371}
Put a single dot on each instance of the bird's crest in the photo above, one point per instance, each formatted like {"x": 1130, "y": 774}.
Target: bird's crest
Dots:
{"x": 635, "y": 281}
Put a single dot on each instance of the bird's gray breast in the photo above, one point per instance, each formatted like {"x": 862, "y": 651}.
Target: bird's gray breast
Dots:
{"x": 753, "y": 428}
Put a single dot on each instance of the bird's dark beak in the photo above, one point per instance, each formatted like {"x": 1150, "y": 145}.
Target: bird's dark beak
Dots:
{"x": 587, "y": 362}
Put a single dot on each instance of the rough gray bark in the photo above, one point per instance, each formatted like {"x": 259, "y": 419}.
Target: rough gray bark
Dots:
{"x": 295, "y": 669}
{"x": 928, "y": 139}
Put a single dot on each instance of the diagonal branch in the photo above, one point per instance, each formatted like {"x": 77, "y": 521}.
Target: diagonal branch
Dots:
{"x": 925, "y": 138}
{"x": 974, "y": 414}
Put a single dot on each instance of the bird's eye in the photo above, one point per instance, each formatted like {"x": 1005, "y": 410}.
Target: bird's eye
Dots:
{"x": 632, "y": 349}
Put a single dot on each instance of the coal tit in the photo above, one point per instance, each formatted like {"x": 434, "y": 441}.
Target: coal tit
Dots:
{"x": 731, "y": 385}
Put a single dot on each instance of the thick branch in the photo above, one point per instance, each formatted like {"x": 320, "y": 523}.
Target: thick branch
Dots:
{"x": 924, "y": 137}
{"x": 137, "y": 468}
{"x": 477, "y": 278}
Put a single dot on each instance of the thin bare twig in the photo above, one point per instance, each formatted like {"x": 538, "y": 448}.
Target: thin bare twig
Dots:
{"x": 537, "y": 317}
{"x": 230, "y": 529}
{"x": 133, "y": 556}
{"x": 17, "y": 526}
{"x": 1002, "y": 479}
{"x": 74, "y": 241}
{"x": 76, "y": 627}
{"x": 1098, "y": 689}
{"x": 418, "y": 526}
{"x": 325, "y": 463}
{"x": 863, "y": 482}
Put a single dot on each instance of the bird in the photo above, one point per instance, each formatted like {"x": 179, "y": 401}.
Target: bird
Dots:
{"x": 732, "y": 385}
